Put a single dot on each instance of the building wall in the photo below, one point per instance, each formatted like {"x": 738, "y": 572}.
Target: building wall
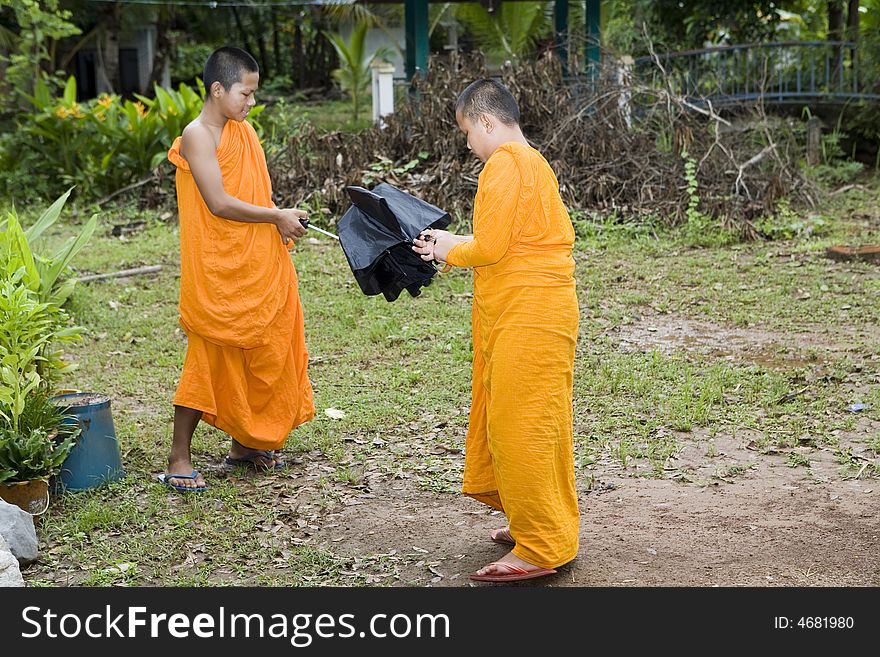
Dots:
{"x": 136, "y": 52}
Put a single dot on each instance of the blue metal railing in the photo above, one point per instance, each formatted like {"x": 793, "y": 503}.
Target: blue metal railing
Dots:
{"x": 776, "y": 72}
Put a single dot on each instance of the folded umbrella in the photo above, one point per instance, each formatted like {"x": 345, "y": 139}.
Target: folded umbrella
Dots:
{"x": 376, "y": 234}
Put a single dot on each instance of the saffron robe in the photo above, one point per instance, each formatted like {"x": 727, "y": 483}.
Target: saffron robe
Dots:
{"x": 519, "y": 447}
{"x": 246, "y": 359}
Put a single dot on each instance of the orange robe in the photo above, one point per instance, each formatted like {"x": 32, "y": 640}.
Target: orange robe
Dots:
{"x": 246, "y": 359}
{"x": 519, "y": 448}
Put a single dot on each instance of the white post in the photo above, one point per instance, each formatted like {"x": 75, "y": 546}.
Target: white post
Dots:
{"x": 383, "y": 90}
{"x": 624, "y": 81}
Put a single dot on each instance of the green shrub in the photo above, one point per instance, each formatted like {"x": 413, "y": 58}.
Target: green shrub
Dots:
{"x": 42, "y": 274}
{"x": 33, "y": 455}
{"x": 99, "y": 145}
{"x": 785, "y": 223}
{"x": 45, "y": 436}
{"x": 30, "y": 333}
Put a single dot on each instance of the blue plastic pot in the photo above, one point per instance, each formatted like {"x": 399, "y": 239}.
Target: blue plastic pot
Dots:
{"x": 95, "y": 459}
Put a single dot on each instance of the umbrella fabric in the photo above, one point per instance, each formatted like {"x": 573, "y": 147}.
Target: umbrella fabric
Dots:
{"x": 376, "y": 234}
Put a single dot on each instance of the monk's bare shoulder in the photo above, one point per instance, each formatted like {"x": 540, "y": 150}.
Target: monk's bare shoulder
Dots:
{"x": 197, "y": 140}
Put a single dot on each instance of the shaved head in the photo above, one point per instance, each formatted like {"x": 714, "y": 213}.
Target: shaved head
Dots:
{"x": 227, "y": 66}
{"x": 488, "y": 96}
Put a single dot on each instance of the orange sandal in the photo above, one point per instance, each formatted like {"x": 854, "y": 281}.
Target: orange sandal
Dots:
{"x": 513, "y": 574}
{"x": 502, "y": 536}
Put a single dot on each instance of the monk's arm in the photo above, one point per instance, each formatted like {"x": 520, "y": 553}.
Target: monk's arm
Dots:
{"x": 493, "y": 222}
{"x": 198, "y": 148}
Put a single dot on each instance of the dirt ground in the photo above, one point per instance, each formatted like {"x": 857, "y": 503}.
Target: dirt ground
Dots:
{"x": 772, "y": 526}
{"x": 725, "y": 513}
{"x": 769, "y": 525}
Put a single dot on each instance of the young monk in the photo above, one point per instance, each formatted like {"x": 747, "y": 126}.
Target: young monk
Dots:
{"x": 246, "y": 359}
{"x": 519, "y": 449}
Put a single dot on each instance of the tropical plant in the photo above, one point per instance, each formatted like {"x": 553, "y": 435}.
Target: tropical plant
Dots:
{"x": 40, "y": 24}
{"x": 43, "y": 440}
{"x": 33, "y": 325}
{"x": 102, "y": 144}
{"x": 35, "y": 455}
{"x": 510, "y": 32}
{"x": 31, "y": 333}
{"x": 148, "y": 127}
{"x": 353, "y": 74}
{"x": 41, "y": 274}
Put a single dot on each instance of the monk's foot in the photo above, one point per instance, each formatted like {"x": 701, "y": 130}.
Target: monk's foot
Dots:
{"x": 183, "y": 466}
{"x": 258, "y": 459}
{"x": 509, "y": 559}
{"x": 279, "y": 459}
{"x": 502, "y": 536}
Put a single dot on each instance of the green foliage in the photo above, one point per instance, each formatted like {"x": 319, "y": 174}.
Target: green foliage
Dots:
{"x": 280, "y": 86}
{"x": 354, "y": 74}
{"x": 511, "y": 32}
{"x": 838, "y": 172}
{"x": 785, "y": 223}
{"x": 282, "y": 122}
{"x": 99, "y": 145}
{"x": 675, "y": 25}
{"x": 44, "y": 438}
{"x": 32, "y": 455}
{"x": 836, "y": 167}
{"x": 40, "y": 23}
{"x": 42, "y": 412}
{"x": 384, "y": 168}
{"x": 601, "y": 230}
{"x": 694, "y": 216}
{"x": 189, "y": 58}
{"x": 29, "y": 332}
{"x": 699, "y": 229}
{"x": 33, "y": 325}
{"x": 41, "y": 274}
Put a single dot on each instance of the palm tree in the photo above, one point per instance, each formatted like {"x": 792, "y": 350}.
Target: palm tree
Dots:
{"x": 510, "y": 32}
{"x": 353, "y": 74}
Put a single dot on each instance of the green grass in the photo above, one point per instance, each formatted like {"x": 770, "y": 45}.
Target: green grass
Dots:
{"x": 401, "y": 374}
{"x": 331, "y": 115}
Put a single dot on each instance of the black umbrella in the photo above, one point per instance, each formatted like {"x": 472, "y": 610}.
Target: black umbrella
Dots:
{"x": 377, "y": 233}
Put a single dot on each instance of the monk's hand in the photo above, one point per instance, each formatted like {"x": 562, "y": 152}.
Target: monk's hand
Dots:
{"x": 424, "y": 246}
{"x": 289, "y": 225}
{"x": 442, "y": 242}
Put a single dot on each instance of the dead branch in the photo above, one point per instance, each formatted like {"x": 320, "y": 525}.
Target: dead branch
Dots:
{"x": 603, "y": 165}
{"x": 137, "y": 271}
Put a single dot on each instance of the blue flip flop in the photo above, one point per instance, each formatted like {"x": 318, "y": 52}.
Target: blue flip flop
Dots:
{"x": 252, "y": 461}
{"x": 183, "y": 489}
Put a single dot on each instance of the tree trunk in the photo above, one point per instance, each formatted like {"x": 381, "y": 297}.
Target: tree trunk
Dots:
{"x": 321, "y": 57}
{"x": 835, "y": 20}
{"x": 276, "y": 43}
{"x": 852, "y": 21}
{"x": 260, "y": 29}
{"x": 111, "y": 16}
{"x": 835, "y": 33}
{"x": 298, "y": 68}
{"x": 852, "y": 35}
{"x": 163, "y": 46}
{"x": 245, "y": 42}
{"x": 814, "y": 141}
